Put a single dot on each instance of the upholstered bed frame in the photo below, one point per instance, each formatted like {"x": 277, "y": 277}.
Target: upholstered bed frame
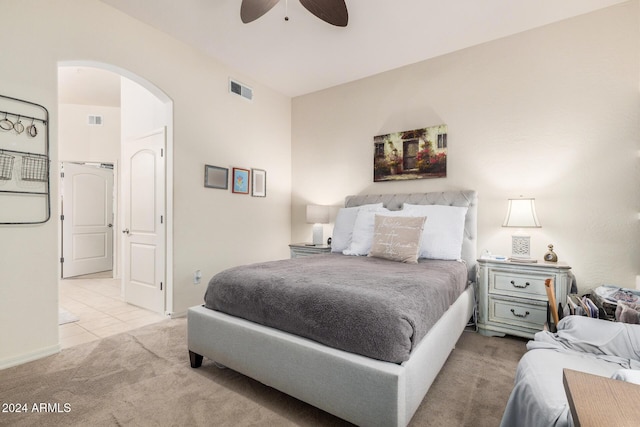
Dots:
{"x": 361, "y": 390}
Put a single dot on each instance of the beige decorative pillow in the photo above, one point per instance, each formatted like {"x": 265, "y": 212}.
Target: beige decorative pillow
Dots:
{"x": 397, "y": 238}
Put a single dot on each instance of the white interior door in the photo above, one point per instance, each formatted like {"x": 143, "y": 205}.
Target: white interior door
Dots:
{"x": 87, "y": 225}
{"x": 143, "y": 204}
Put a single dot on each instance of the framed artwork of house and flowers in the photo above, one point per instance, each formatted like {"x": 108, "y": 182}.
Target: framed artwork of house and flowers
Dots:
{"x": 412, "y": 154}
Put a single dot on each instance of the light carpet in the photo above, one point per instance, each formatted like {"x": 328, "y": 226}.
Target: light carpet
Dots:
{"x": 143, "y": 378}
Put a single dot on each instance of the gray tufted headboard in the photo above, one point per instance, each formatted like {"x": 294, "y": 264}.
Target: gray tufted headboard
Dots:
{"x": 468, "y": 198}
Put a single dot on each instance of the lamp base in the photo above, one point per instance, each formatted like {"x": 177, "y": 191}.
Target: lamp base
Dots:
{"x": 317, "y": 234}
{"x": 521, "y": 249}
{"x": 521, "y": 246}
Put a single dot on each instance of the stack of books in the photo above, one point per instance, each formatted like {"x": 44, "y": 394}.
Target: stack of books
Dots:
{"x": 581, "y": 306}
{"x": 601, "y": 302}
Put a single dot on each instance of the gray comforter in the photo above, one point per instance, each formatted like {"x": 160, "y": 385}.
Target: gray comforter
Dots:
{"x": 369, "y": 306}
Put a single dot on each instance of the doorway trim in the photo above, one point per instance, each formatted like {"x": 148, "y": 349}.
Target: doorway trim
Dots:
{"x": 168, "y": 119}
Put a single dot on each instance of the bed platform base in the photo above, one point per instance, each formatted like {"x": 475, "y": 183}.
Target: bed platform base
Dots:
{"x": 361, "y": 390}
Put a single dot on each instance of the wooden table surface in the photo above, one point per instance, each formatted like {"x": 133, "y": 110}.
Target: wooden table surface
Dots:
{"x": 600, "y": 401}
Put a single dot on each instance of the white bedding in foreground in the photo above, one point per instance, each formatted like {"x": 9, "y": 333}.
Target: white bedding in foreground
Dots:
{"x": 582, "y": 344}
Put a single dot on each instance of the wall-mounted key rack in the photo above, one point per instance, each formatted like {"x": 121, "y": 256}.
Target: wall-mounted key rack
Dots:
{"x": 24, "y": 162}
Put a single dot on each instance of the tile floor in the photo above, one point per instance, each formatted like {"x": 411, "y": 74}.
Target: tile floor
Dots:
{"x": 96, "y": 300}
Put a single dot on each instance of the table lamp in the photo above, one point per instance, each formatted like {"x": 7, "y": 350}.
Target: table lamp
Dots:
{"x": 521, "y": 213}
{"x": 317, "y": 215}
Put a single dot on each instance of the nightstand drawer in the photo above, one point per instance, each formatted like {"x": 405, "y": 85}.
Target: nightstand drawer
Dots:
{"x": 526, "y": 314}
{"x": 522, "y": 285}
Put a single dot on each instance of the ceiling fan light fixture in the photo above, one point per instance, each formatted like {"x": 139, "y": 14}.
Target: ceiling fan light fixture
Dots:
{"x": 333, "y": 12}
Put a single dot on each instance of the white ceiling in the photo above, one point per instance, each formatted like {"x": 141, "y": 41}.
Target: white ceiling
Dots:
{"x": 305, "y": 54}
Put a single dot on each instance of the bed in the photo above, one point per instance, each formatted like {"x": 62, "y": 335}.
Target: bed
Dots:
{"x": 361, "y": 388}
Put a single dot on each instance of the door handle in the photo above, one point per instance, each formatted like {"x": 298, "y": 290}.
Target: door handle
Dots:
{"x": 110, "y": 225}
{"x": 125, "y": 231}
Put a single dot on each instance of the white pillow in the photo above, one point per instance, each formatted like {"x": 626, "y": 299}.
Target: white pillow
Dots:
{"x": 343, "y": 228}
{"x": 443, "y": 231}
{"x": 362, "y": 236}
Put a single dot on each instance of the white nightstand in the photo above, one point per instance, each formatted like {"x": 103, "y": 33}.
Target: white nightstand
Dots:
{"x": 512, "y": 298}
{"x": 306, "y": 249}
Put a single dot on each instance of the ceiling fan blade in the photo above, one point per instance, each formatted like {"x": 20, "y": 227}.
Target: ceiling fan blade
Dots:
{"x": 250, "y": 10}
{"x": 332, "y": 11}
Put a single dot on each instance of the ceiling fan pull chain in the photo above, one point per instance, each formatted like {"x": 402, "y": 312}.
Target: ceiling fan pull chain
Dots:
{"x": 286, "y": 10}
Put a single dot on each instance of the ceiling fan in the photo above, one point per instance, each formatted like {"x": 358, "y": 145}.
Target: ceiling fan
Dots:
{"x": 333, "y": 12}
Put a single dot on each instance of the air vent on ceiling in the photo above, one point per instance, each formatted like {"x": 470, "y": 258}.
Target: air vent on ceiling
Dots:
{"x": 240, "y": 89}
{"x": 94, "y": 120}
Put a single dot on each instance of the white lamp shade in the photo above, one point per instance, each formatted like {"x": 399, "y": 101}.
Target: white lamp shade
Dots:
{"x": 317, "y": 214}
{"x": 521, "y": 213}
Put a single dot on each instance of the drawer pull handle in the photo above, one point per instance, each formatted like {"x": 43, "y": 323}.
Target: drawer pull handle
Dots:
{"x": 520, "y": 286}
{"x": 518, "y": 314}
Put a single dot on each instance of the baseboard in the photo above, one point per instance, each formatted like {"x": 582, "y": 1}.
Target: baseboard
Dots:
{"x": 24, "y": 358}
{"x": 178, "y": 314}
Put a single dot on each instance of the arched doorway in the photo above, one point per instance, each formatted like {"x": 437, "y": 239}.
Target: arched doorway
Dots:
{"x": 144, "y": 110}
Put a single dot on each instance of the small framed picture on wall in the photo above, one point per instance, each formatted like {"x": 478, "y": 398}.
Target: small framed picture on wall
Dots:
{"x": 240, "y": 181}
{"x": 259, "y": 183}
{"x": 216, "y": 177}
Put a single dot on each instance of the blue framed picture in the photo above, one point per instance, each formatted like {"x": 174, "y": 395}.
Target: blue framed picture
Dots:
{"x": 240, "y": 181}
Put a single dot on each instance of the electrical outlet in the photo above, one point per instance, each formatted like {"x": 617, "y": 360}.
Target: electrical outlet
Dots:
{"x": 197, "y": 277}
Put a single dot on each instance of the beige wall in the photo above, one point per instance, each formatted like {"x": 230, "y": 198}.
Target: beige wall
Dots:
{"x": 213, "y": 229}
{"x": 550, "y": 113}
{"x": 79, "y": 141}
